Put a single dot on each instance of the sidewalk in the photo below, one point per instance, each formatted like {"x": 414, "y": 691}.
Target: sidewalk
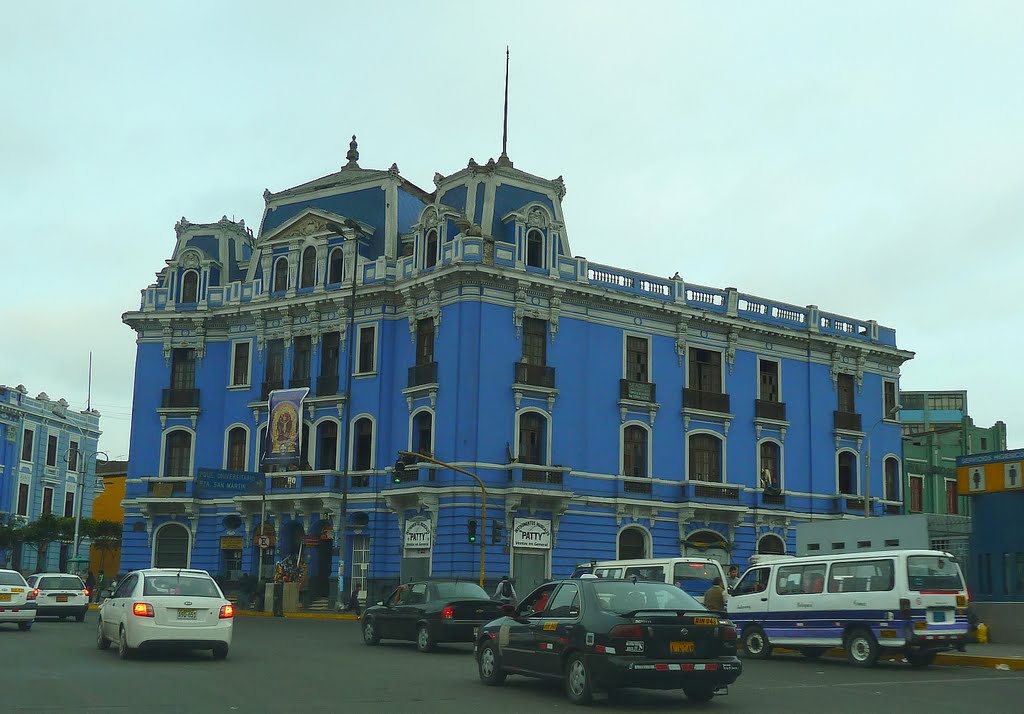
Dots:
{"x": 995, "y": 656}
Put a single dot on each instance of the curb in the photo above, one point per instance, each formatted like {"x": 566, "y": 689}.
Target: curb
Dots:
{"x": 946, "y": 659}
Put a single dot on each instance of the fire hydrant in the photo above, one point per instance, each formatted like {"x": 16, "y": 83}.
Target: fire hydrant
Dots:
{"x": 981, "y": 633}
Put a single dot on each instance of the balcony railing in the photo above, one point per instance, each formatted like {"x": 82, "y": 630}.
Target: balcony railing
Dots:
{"x": 723, "y": 493}
{"x": 269, "y": 386}
{"x": 298, "y": 382}
{"x": 636, "y": 391}
{"x": 160, "y": 488}
{"x": 846, "y": 504}
{"x": 541, "y": 475}
{"x": 848, "y": 421}
{"x": 327, "y": 385}
{"x": 423, "y": 374}
{"x": 536, "y": 375}
{"x": 893, "y": 509}
{"x": 180, "y": 399}
{"x": 764, "y": 409}
{"x": 706, "y": 401}
{"x": 773, "y": 499}
{"x": 636, "y": 485}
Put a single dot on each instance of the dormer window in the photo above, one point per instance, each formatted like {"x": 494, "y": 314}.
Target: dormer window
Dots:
{"x": 190, "y": 287}
{"x": 280, "y": 275}
{"x": 431, "y": 250}
{"x": 535, "y": 249}
{"x": 336, "y": 266}
{"x": 307, "y": 274}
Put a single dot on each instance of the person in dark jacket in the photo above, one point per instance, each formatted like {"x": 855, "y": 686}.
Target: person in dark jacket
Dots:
{"x": 714, "y": 598}
{"x": 353, "y": 602}
{"x": 90, "y": 584}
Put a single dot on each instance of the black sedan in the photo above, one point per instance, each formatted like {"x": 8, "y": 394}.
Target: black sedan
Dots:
{"x": 602, "y": 634}
{"x": 430, "y": 612}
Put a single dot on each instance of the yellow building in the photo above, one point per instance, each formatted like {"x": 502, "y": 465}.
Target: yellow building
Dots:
{"x": 107, "y": 507}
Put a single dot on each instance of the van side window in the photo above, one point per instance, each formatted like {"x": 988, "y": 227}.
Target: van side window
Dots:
{"x": 800, "y": 579}
{"x": 754, "y": 581}
{"x": 861, "y": 576}
{"x": 655, "y": 573}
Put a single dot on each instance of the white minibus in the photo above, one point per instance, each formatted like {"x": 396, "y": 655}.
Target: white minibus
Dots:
{"x": 912, "y": 601}
{"x": 692, "y": 575}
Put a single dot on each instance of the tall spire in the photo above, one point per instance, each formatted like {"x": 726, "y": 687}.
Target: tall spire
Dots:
{"x": 503, "y": 160}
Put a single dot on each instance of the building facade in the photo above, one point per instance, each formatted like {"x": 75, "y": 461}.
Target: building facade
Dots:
{"x": 609, "y": 413}
{"x": 47, "y": 465}
{"x": 107, "y": 507}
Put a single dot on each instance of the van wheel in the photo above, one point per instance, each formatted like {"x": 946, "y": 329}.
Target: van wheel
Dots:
{"x": 700, "y": 693}
{"x": 812, "y": 653}
{"x": 919, "y": 659}
{"x": 24, "y": 626}
{"x": 862, "y": 648}
{"x": 755, "y": 643}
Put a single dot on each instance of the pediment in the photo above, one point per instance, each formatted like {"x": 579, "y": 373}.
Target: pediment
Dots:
{"x": 311, "y": 222}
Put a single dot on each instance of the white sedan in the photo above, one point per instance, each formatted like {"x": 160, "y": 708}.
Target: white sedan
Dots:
{"x": 166, "y": 608}
{"x": 15, "y": 605}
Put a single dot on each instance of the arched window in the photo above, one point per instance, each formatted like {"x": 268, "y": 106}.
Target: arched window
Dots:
{"x": 280, "y": 275}
{"x": 634, "y": 451}
{"x": 705, "y": 458}
{"x": 190, "y": 287}
{"x": 237, "y": 449}
{"x": 171, "y": 547}
{"x": 362, "y": 452}
{"x": 178, "y": 453}
{"x": 847, "y": 473}
{"x": 892, "y": 479}
{"x": 533, "y": 430}
{"x": 770, "y": 472}
{"x": 307, "y": 274}
{"x": 771, "y": 545}
{"x": 422, "y": 433}
{"x": 327, "y": 445}
{"x": 535, "y": 249}
{"x": 430, "y": 255}
{"x": 336, "y": 267}
{"x": 632, "y": 544}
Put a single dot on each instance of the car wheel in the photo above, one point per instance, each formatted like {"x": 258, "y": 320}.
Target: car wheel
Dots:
{"x": 123, "y": 650}
{"x": 80, "y": 617}
{"x": 861, "y": 648}
{"x": 102, "y": 642}
{"x": 489, "y": 666}
{"x": 755, "y": 643}
{"x": 424, "y": 642}
{"x": 370, "y": 635}
{"x": 919, "y": 659}
{"x": 812, "y": 653}
{"x": 700, "y": 692}
{"x": 577, "y": 681}
{"x": 24, "y": 626}
{"x": 220, "y": 652}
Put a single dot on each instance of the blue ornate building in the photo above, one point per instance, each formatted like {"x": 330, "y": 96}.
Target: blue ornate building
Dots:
{"x": 47, "y": 465}
{"x": 609, "y": 413}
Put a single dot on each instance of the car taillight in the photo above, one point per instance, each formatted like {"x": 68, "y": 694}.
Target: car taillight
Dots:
{"x": 86, "y": 592}
{"x": 143, "y": 609}
{"x": 905, "y": 611}
{"x": 33, "y": 593}
{"x": 227, "y": 611}
{"x": 448, "y": 613}
{"x": 729, "y": 633}
{"x": 627, "y": 632}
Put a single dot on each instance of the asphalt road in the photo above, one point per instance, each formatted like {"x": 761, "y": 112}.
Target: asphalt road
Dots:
{"x": 295, "y": 665}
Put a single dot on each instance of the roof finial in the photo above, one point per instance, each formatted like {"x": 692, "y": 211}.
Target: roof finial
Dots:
{"x": 503, "y": 160}
{"x": 352, "y": 155}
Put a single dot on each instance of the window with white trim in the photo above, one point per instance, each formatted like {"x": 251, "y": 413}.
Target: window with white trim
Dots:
{"x": 307, "y": 268}
{"x": 27, "y": 445}
{"x": 240, "y": 367}
{"x": 367, "y": 349}
{"x": 237, "y": 449}
{"x": 280, "y": 275}
{"x": 891, "y": 473}
{"x": 916, "y": 493}
{"x": 177, "y": 453}
{"x": 362, "y": 452}
{"x": 634, "y": 451}
{"x": 430, "y": 249}
{"x": 705, "y": 458}
{"x": 847, "y": 473}
{"x": 51, "y": 450}
{"x": 535, "y": 249}
{"x": 533, "y": 429}
{"x": 336, "y": 266}
{"x": 190, "y": 287}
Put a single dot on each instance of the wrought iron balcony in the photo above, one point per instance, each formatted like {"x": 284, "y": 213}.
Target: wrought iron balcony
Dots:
{"x": 637, "y": 391}
{"x": 180, "y": 399}
{"x": 269, "y": 386}
{"x": 536, "y": 375}
{"x": 764, "y": 409}
{"x": 423, "y": 374}
{"x": 773, "y": 499}
{"x": 541, "y": 475}
{"x": 298, "y": 382}
{"x": 327, "y": 385}
{"x": 716, "y": 491}
{"x": 848, "y": 421}
{"x": 636, "y": 485}
{"x": 706, "y": 401}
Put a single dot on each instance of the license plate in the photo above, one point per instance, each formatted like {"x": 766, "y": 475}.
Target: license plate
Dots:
{"x": 62, "y": 598}
{"x": 705, "y": 620}
{"x": 681, "y": 647}
{"x": 186, "y": 614}
{"x": 940, "y": 616}
{"x": 4, "y": 597}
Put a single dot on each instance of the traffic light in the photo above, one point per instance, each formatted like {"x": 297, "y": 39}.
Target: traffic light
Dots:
{"x": 471, "y": 530}
{"x": 496, "y": 531}
{"x": 400, "y": 465}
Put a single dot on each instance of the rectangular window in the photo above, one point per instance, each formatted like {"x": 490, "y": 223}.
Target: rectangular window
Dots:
{"x": 51, "y": 450}
{"x": 47, "y": 501}
{"x": 535, "y": 342}
{"x": 984, "y": 444}
{"x": 330, "y": 349}
{"x": 845, "y": 388}
{"x": 275, "y": 362}
{"x": 892, "y": 543}
{"x": 932, "y": 572}
{"x": 23, "y": 499}
{"x": 706, "y": 370}
{"x": 861, "y": 576}
{"x": 73, "y": 456}
{"x": 240, "y": 364}
{"x": 367, "y": 349}
{"x": 300, "y": 364}
{"x": 637, "y": 359}
{"x": 952, "y": 503}
{"x": 912, "y": 401}
{"x": 889, "y": 399}
{"x": 769, "y": 380}
{"x": 425, "y": 341}
{"x": 916, "y": 493}
{"x": 27, "y": 444}
{"x": 183, "y": 368}
{"x": 69, "y": 503}
{"x": 801, "y": 579}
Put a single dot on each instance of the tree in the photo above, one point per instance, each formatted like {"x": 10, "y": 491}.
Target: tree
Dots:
{"x": 106, "y": 538}
{"x": 40, "y": 533}
{"x": 10, "y": 536}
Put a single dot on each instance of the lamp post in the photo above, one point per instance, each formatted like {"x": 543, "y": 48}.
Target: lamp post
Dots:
{"x": 867, "y": 460}
{"x": 82, "y": 466}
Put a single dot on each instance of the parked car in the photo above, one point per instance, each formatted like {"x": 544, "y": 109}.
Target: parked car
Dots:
{"x": 59, "y": 595}
{"x": 430, "y": 612}
{"x": 15, "y": 606}
{"x": 166, "y": 608}
{"x": 597, "y": 634}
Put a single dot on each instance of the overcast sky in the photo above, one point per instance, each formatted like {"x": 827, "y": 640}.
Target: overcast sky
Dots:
{"x": 866, "y": 157}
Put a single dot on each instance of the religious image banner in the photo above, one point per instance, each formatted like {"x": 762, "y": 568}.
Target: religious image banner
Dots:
{"x": 284, "y": 427}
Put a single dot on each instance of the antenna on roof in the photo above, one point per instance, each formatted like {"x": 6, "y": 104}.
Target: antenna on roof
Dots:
{"x": 88, "y": 398}
{"x": 503, "y": 160}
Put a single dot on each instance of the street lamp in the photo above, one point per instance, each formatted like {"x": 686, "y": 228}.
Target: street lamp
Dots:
{"x": 867, "y": 461}
{"x": 82, "y": 465}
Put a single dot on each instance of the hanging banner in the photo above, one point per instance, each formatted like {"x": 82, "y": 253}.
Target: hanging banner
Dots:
{"x": 284, "y": 430}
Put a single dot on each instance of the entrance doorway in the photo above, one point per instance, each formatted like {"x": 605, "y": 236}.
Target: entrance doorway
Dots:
{"x": 415, "y": 569}
{"x": 171, "y": 550}
{"x": 633, "y": 544}
{"x": 529, "y": 570}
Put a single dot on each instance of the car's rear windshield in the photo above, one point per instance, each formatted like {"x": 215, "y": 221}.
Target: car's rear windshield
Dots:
{"x": 695, "y": 578}
{"x": 445, "y": 591}
{"x": 11, "y": 579}
{"x": 60, "y": 582}
{"x": 933, "y": 572}
{"x": 180, "y": 585}
{"x": 622, "y": 597}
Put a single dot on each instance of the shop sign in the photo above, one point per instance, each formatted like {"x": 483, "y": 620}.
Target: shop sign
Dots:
{"x": 231, "y": 543}
{"x": 418, "y": 535}
{"x": 531, "y": 533}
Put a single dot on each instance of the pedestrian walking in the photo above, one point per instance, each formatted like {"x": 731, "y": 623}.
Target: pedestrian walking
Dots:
{"x": 101, "y": 582}
{"x": 90, "y": 584}
{"x": 505, "y": 592}
{"x": 714, "y": 598}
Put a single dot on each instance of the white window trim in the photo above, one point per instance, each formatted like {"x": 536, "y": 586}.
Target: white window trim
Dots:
{"x": 68, "y": 489}
{"x": 192, "y": 449}
{"x": 543, "y": 247}
{"x": 757, "y": 386}
{"x": 28, "y": 499}
{"x": 78, "y": 450}
{"x": 648, "y": 541}
{"x": 725, "y": 467}
{"x": 547, "y": 436}
{"x": 359, "y": 341}
{"x": 56, "y": 451}
{"x": 352, "y": 442}
{"x": 757, "y": 546}
{"x": 156, "y": 532}
{"x": 649, "y": 466}
{"x": 780, "y": 478}
{"x": 330, "y": 259}
{"x": 227, "y": 441}
{"x": 857, "y": 476}
{"x": 426, "y": 243}
{"x": 43, "y": 501}
{"x": 895, "y": 418}
{"x": 32, "y": 448}
{"x": 650, "y": 354}
{"x": 721, "y": 367}
{"x": 899, "y": 475}
{"x": 273, "y": 274}
{"x": 248, "y": 367}
{"x": 316, "y": 266}
{"x": 314, "y": 447}
{"x": 181, "y": 286}
{"x": 910, "y": 495}
{"x": 433, "y": 428}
